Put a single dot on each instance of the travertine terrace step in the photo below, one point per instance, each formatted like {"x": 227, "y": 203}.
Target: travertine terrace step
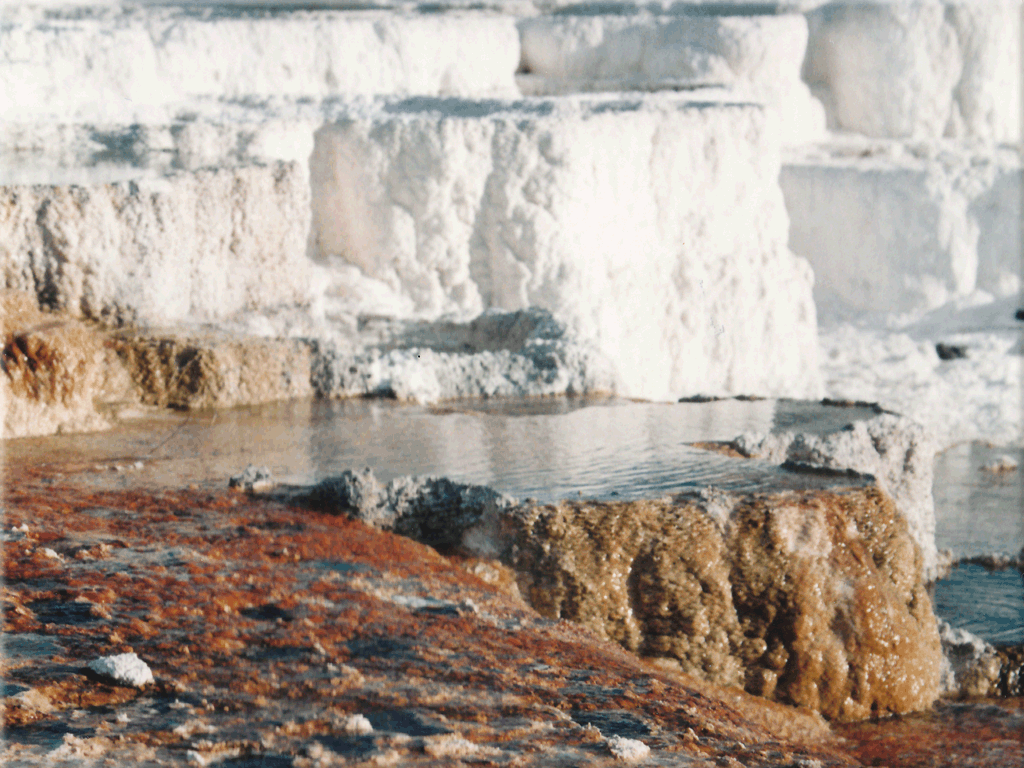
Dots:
{"x": 905, "y": 226}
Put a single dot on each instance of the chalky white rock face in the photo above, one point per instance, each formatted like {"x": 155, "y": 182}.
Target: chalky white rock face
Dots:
{"x": 109, "y": 66}
{"x": 918, "y": 69}
{"x": 756, "y": 57}
{"x": 124, "y": 668}
{"x": 653, "y": 227}
{"x": 895, "y": 227}
{"x": 188, "y": 247}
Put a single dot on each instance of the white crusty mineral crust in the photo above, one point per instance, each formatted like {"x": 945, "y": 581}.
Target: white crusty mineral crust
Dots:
{"x": 756, "y": 57}
{"x": 654, "y": 228}
{"x": 896, "y": 365}
{"x": 124, "y": 668}
{"x": 896, "y": 227}
{"x": 125, "y": 66}
{"x": 899, "y": 452}
{"x": 918, "y": 69}
{"x": 499, "y": 354}
{"x": 191, "y": 247}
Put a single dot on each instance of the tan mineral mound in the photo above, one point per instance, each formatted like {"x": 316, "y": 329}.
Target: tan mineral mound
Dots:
{"x": 813, "y": 598}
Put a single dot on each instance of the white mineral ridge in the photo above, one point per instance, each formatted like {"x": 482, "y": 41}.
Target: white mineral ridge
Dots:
{"x": 653, "y": 227}
{"x": 757, "y": 57}
{"x": 189, "y": 247}
{"x": 899, "y": 227}
{"x": 119, "y": 65}
{"x": 125, "y": 668}
{"x": 202, "y": 134}
{"x": 918, "y": 69}
{"x": 897, "y": 451}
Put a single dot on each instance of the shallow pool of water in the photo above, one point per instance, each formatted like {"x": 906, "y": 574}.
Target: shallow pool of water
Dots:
{"x": 980, "y": 513}
{"x": 542, "y": 448}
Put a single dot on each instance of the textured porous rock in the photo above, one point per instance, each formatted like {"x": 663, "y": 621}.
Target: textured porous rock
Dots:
{"x": 188, "y": 247}
{"x": 434, "y": 510}
{"x": 918, "y": 69}
{"x": 498, "y": 354}
{"x": 214, "y": 370}
{"x": 56, "y": 371}
{"x": 574, "y": 205}
{"x": 756, "y": 57}
{"x": 897, "y": 451}
{"x": 812, "y": 599}
{"x": 119, "y": 65}
{"x": 905, "y": 227}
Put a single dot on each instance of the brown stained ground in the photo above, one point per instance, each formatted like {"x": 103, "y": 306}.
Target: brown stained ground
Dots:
{"x": 267, "y": 626}
{"x": 978, "y": 734}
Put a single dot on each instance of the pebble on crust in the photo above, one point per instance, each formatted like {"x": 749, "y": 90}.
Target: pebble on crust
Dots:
{"x": 630, "y": 750}
{"x": 124, "y": 668}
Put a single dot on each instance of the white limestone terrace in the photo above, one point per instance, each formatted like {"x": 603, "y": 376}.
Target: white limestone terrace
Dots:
{"x": 925, "y": 69}
{"x": 756, "y": 56}
{"x": 132, "y": 65}
{"x": 896, "y": 226}
{"x": 916, "y": 244}
{"x": 425, "y": 207}
{"x": 170, "y": 119}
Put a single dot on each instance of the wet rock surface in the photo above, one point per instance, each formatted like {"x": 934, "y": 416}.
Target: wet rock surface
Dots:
{"x": 280, "y": 636}
{"x": 815, "y": 599}
{"x": 898, "y": 452}
{"x": 213, "y": 370}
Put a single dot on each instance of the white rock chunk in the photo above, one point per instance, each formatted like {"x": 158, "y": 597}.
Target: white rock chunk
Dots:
{"x": 918, "y": 69}
{"x": 971, "y": 666}
{"x": 124, "y": 668}
{"x": 628, "y": 750}
{"x": 357, "y": 725}
{"x": 253, "y": 479}
{"x": 757, "y": 57}
{"x": 652, "y": 227}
